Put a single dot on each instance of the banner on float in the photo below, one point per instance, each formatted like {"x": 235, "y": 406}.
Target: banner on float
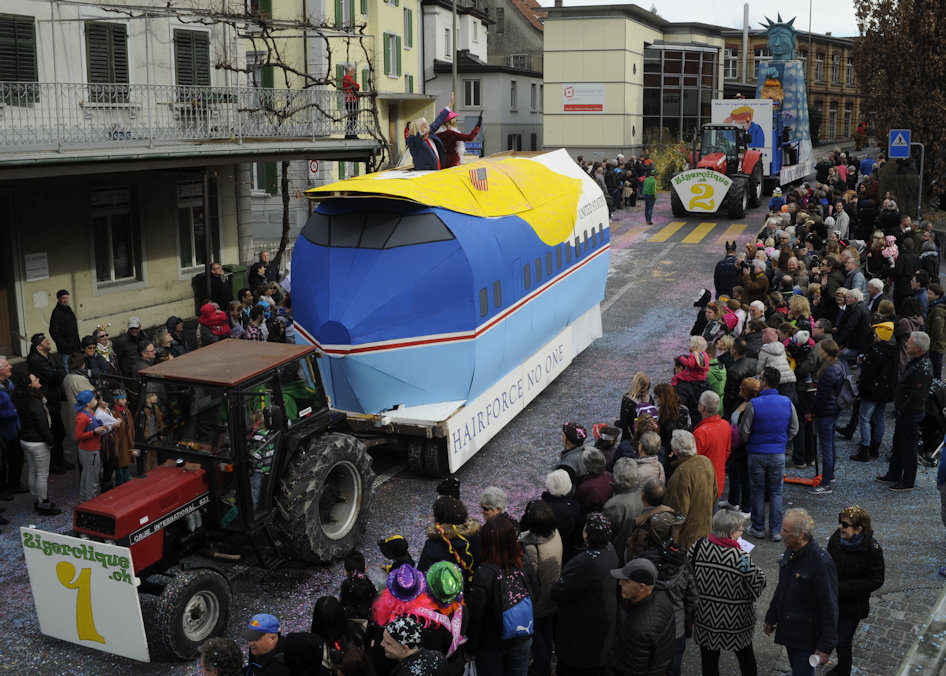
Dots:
{"x": 85, "y": 593}
{"x": 701, "y": 190}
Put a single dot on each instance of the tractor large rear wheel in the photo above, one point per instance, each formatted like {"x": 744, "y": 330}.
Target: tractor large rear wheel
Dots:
{"x": 754, "y": 185}
{"x": 737, "y": 201}
{"x": 322, "y": 501}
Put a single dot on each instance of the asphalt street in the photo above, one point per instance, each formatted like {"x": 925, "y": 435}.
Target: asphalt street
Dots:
{"x": 655, "y": 276}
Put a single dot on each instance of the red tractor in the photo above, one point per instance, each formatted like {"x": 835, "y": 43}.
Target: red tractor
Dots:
{"x": 248, "y": 464}
{"x": 723, "y": 150}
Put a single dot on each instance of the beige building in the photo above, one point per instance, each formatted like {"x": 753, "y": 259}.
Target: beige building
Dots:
{"x": 616, "y": 75}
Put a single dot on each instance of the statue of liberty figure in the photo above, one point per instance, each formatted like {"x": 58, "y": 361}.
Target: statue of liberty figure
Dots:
{"x": 783, "y": 80}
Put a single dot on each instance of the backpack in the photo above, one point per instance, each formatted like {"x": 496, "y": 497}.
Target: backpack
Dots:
{"x": 848, "y": 392}
{"x": 515, "y": 604}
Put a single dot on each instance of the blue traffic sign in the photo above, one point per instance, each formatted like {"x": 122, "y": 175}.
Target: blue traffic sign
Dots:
{"x": 898, "y": 146}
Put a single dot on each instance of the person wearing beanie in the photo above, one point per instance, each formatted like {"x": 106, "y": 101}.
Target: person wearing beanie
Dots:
{"x": 402, "y": 643}
{"x": 126, "y": 346}
{"x": 175, "y": 328}
{"x": 64, "y": 327}
{"x": 574, "y": 436}
{"x": 587, "y": 607}
{"x": 453, "y": 537}
{"x": 877, "y": 384}
{"x": 88, "y": 434}
{"x": 51, "y": 374}
{"x": 395, "y": 549}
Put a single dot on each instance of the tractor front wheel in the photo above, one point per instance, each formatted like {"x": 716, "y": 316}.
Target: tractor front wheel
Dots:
{"x": 193, "y": 607}
{"x": 737, "y": 201}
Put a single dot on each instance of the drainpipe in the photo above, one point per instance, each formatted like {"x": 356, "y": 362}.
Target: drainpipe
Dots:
{"x": 745, "y": 42}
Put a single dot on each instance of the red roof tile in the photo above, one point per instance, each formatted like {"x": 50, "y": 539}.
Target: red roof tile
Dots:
{"x": 532, "y": 11}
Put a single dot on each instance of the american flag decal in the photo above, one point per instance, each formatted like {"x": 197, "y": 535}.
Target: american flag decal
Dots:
{"x": 478, "y": 178}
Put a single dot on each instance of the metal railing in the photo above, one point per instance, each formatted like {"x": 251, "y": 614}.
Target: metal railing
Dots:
{"x": 81, "y": 115}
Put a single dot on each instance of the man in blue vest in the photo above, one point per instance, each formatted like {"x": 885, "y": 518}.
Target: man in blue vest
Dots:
{"x": 767, "y": 425}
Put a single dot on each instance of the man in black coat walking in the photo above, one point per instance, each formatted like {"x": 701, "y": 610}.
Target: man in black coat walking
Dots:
{"x": 64, "y": 328}
{"x": 643, "y": 645}
{"x": 910, "y": 407}
{"x": 804, "y": 608}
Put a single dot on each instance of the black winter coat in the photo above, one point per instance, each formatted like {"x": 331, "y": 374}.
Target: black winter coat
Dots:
{"x": 50, "y": 372}
{"x": 829, "y": 387}
{"x": 568, "y": 521}
{"x": 878, "y": 379}
{"x": 64, "y": 330}
{"x": 914, "y": 388}
{"x": 34, "y": 421}
{"x": 860, "y": 572}
{"x": 725, "y": 276}
{"x": 735, "y": 374}
{"x": 855, "y": 333}
{"x": 485, "y": 628}
{"x": 644, "y": 642}
{"x": 804, "y": 608}
{"x": 587, "y": 605}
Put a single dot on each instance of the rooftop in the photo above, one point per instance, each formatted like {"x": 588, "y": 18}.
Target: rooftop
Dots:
{"x": 228, "y": 362}
{"x": 532, "y": 11}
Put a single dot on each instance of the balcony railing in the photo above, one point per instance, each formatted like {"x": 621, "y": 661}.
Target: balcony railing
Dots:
{"x": 75, "y": 116}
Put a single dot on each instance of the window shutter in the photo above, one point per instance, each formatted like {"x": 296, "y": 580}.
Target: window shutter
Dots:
{"x": 396, "y": 3}
{"x": 339, "y": 74}
{"x": 119, "y": 45}
{"x": 192, "y": 57}
{"x": 387, "y": 54}
{"x": 270, "y": 178}
{"x": 364, "y": 7}
{"x": 202, "y": 58}
{"x": 17, "y": 49}
{"x": 266, "y": 77}
{"x": 397, "y": 46}
{"x": 410, "y": 27}
{"x": 338, "y": 14}
{"x": 266, "y": 8}
{"x": 183, "y": 63}
{"x": 341, "y": 171}
{"x": 365, "y": 75}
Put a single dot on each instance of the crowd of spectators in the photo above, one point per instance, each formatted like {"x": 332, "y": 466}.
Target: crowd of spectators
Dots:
{"x": 635, "y": 547}
{"x": 92, "y": 379}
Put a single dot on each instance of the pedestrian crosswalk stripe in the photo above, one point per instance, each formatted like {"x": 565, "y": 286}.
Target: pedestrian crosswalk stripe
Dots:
{"x": 732, "y": 232}
{"x": 667, "y": 231}
{"x": 698, "y": 233}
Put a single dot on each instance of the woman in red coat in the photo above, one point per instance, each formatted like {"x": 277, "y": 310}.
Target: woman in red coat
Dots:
{"x": 453, "y": 140}
{"x": 350, "y": 88}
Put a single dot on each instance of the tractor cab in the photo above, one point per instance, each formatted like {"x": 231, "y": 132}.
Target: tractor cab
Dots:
{"x": 721, "y": 148}
{"x": 228, "y": 413}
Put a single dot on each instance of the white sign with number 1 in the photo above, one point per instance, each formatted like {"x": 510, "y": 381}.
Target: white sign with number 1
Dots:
{"x": 85, "y": 592}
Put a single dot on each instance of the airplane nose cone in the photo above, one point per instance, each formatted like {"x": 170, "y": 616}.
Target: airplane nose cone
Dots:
{"x": 334, "y": 333}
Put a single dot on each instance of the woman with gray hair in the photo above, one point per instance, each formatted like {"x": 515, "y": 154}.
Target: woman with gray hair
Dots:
{"x": 493, "y": 502}
{"x": 568, "y": 518}
{"x": 729, "y": 584}
{"x": 625, "y": 505}
{"x": 594, "y": 488}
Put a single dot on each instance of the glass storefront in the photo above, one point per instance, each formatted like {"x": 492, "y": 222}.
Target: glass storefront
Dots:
{"x": 680, "y": 84}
